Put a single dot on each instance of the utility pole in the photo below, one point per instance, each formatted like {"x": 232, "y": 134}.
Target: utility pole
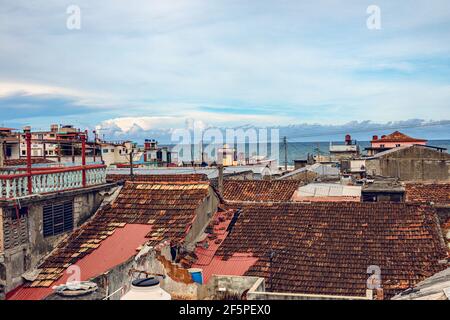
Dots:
{"x": 131, "y": 163}
{"x": 285, "y": 153}
{"x": 220, "y": 178}
{"x": 3, "y": 152}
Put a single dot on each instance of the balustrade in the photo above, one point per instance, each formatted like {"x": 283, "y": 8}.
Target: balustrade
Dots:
{"x": 15, "y": 185}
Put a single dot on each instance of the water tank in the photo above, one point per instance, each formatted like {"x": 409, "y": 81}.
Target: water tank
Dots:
{"x": 375, "y": 138}
{"x": 348, "y": 139}
{"x": 146, "y": 289}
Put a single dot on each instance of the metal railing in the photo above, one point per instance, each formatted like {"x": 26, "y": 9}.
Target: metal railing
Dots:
{"x": 48, "y": 180}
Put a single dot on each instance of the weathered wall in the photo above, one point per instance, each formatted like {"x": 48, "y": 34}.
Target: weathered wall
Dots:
{"x": 203, "y": 215}
{"x": 305, "y": 176}
{"x": 26, "y": 255}
{"x": 412, "y": 164}
{"x": 119, "y": 278}
{"x": 222, "y": 287}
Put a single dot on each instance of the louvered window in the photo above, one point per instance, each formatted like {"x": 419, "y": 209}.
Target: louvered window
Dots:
{"x": 58, "y": 218}
{"x": 15, "y": 227}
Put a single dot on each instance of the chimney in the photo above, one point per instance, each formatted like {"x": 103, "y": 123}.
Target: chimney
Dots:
{"x": 220, "y": 179}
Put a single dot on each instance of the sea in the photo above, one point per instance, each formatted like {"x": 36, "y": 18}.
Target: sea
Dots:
{"x": 297, "y": 150}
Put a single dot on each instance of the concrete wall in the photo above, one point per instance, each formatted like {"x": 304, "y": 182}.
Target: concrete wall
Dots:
{"x": 305, "y": 176}
{"x": 119, "y": 278}
{"x": 204, "y": 214}
{"x": 222, "y": 287}
{"x": 26, "y": 256}
{"x": 412, "y": 164}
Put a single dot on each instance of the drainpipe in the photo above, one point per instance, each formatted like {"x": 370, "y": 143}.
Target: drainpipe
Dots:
{"x": 28, "y": 142}
{"x": 83, "y": 158}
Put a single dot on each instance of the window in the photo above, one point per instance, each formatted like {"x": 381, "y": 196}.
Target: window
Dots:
{"x": 23, "y": 152}
{"x": 397, "y": 145}
{"x": 105, "y": 150}
{"x": 381, "y": 145}
{"x": 58, "y": 218}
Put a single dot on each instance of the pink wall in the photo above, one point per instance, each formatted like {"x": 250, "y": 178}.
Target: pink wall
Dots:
{"x": 394, "y": 144}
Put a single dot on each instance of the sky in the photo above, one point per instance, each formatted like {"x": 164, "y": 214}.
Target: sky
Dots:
{"x": 153, "y": 64}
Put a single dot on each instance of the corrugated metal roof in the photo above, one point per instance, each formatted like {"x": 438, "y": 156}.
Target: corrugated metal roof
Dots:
{"x": 328, "y": 190}
{"x": 114, "y": 250}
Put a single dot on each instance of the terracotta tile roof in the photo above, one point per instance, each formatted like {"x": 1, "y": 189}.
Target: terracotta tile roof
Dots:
{"x": 397, "y": 136}
{"x": 167, "y": 208}
{"x": 259, "y": 190}
{"x": 157, "y": 177}
{"x": 439, "y": 193}
{"x": 23, "y": 162}
{"x": 116, "y": 249}
{"x": 324, "y": 248}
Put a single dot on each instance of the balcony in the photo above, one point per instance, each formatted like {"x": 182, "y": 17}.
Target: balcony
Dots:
{"x": 43, "y": 180}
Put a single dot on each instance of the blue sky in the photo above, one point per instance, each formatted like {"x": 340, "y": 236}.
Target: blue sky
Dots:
{"x": 154, "y": 64}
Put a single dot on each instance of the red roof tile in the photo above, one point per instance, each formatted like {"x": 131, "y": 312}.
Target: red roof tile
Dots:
{"x": 114, "y": 250}
{"x": 438, "y": 193}
{"x": 23, "y": 162}
{"x": 325, "y": 248}
{"x": 167, "y": 208}
{"x": 259, "y": 190}
{"x": 398, "y": 137}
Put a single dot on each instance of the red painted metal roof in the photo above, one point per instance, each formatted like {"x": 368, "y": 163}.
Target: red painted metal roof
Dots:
{"x": 114, "y": 250}
{"x": 237, "y": 265}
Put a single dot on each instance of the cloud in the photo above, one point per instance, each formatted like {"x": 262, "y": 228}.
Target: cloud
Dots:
{"x": 225, "y": 62}
{"x": 22, "y": 105}
{"x": 139, "y": 129}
